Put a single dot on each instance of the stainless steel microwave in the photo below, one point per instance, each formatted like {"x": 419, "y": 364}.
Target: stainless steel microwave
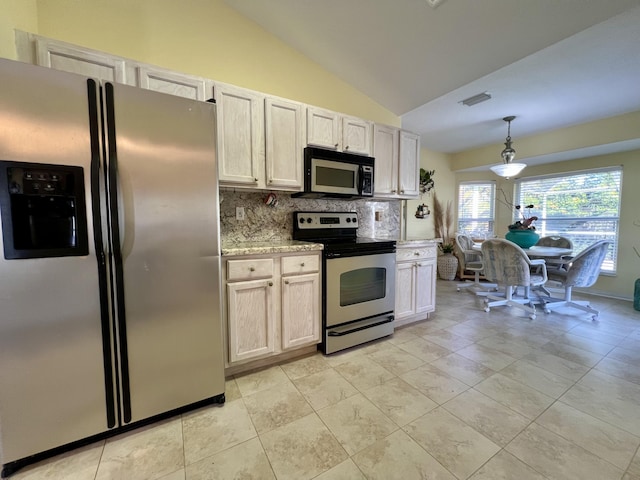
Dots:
{"x": 328, "y": 173}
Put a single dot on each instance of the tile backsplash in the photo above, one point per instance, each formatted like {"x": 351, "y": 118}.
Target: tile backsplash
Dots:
{"x": 266, "y": 223}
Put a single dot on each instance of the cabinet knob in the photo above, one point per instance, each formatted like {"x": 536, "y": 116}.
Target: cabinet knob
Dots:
{"x": 252, "y": 269}
{"x": 402, "y": 191}
{"x": 271, "y": 284}
{"x": 270, "y": 180}
{"x": 347, "y": 147}
{"x": 416, "y": 253}
{"x": 393, "y": 191}
{"x": 302, "y": 264}
{"x": 286, "y": 282}
{"x": 336, "y": 145}
{"x": 255, "y": 179}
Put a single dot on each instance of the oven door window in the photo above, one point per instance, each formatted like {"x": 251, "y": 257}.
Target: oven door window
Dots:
{"x": 362, "y": 285}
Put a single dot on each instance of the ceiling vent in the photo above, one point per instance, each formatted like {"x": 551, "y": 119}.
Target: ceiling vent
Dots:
{"x": 434, "y": 3}
{"x": 476, "y": 99}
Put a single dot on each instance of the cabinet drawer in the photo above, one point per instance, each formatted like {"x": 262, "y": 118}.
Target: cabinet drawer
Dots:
{"x": 300, "y": 264}
{"x": 249, "y": 269}
{"x": 403, "y": 254}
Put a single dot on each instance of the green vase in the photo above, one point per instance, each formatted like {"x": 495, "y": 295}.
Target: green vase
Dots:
{"x": 523, "y": 238}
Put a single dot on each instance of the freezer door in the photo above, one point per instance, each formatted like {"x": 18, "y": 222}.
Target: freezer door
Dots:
{"x": 52, "y": 368}
{"x": 164, "y": 203}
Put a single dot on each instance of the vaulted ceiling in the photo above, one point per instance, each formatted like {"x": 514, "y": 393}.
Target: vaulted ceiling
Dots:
{"x": 551, "y": 63}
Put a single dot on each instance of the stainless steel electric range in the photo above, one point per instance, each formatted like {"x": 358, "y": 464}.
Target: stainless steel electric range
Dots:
{"x": 358, "y": 281}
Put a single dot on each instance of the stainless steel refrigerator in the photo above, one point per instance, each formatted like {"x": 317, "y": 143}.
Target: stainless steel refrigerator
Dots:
{"x": 109, "y": 259}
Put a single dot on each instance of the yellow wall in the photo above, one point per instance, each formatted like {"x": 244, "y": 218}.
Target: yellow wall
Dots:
{"x": 628, "y": 268}
{"x": 600, "y": 132}
{"x": 205, "y": 38}
{"x": 15, "y": 14}
{"x": 445, "y": 187}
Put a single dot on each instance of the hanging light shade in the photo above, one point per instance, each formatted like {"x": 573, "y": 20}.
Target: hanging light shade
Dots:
{"x": 508, "y": 168}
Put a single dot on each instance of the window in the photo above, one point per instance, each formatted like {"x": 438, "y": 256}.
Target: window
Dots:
{"x": 476, "y": 208}
{"x": 582, "y": 206}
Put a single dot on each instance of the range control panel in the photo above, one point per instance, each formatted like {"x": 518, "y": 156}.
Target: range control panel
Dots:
{"x": 322, "y": 220}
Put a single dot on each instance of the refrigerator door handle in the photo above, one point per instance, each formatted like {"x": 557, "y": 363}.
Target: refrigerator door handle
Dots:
{"x": 99, "y": 244}
{"x": 113, "y": 191}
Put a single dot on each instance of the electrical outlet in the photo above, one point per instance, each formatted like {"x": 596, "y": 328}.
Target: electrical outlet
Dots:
{"x": 239, "y": 213}
{"x": 378, "y": 216}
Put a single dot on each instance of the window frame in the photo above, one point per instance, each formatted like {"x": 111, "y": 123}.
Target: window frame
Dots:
{"x": 491, "y": 220}
{"x": 614, "y": 236}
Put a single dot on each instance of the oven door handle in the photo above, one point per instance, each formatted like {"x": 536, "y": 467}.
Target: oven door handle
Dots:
{"x": 333, "y": 333}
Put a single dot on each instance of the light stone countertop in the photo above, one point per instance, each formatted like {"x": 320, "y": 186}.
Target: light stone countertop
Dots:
{"x": 418, "y": 243}
{"x": 230, "y": 248}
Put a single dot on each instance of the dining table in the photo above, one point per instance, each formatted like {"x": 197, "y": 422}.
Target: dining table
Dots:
{"x": 538, "y": 251}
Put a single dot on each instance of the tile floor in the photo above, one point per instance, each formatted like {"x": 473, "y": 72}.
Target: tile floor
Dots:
{"x": 465, "y": 394}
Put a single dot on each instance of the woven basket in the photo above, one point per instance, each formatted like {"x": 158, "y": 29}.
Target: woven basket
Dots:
{"x": 447, "y": 266}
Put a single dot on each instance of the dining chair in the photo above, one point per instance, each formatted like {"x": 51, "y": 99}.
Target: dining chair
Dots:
{"x": 509, "y": 266}
{"x": 555, "y": 241}
{"x": 579, "y": 271}
{"x": 471, "y": 261}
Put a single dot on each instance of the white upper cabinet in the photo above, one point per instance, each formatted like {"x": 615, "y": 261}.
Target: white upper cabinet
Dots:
{"x": 356, "y": 135}
{"x": 323, "y": 128}
{"x": 397, "y": 154}
{"x": 386, "y": 153}
{"x": 173, "y": 83}
{"x": 240, "y": 136}
{"x": 409, "y": 165}
{"x": 284, "y": 134}
{"x": 335, "y": 131}
{"x": 62, "y": 56}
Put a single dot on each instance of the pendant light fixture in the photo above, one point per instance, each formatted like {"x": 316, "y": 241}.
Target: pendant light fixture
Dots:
{"x": 508, "y": 168}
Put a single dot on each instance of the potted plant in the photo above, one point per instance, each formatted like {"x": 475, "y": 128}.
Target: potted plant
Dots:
{"x": 523, "y": 232}
{"x": 426, "y": 182}
{"x": 443, "y": 225}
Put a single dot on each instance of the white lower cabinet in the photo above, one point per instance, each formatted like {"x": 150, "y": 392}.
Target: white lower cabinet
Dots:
{"x": 415, "y": 283}
{"x": 251, "y": 319}
{"x": 272, "y": 305}
{"x": 300, "y": 310}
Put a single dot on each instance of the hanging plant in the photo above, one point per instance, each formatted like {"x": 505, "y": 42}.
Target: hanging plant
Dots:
{"x": 426, "y": 182}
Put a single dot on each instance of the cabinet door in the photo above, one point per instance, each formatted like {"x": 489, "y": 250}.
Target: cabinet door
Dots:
{"x": 405, "y": 290}
{"x": 284, "y": 123}
{"x": 323, "y": 128}
{"x": 72, "y": 59}
{"x": 173, "y": 83}
{"x": 409, "y": 164}
{"x": 240, "y": 136}
{"x": 251, "y": 319}
{"x": 385, "y": 151}
{"x": 300, "y": 310}
{"x": 425, "y": 286}
{"x": 356, "y": 135}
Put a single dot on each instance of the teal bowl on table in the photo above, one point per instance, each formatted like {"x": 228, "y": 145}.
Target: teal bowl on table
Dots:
{"x": 523, "y": 238}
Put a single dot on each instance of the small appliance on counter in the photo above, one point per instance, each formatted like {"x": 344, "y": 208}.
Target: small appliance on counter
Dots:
{"x": 358, "y": 281}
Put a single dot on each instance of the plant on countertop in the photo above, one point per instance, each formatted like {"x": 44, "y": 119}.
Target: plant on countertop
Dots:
{"x": 426, "y": 182}
{"x": 443, "y": 224}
